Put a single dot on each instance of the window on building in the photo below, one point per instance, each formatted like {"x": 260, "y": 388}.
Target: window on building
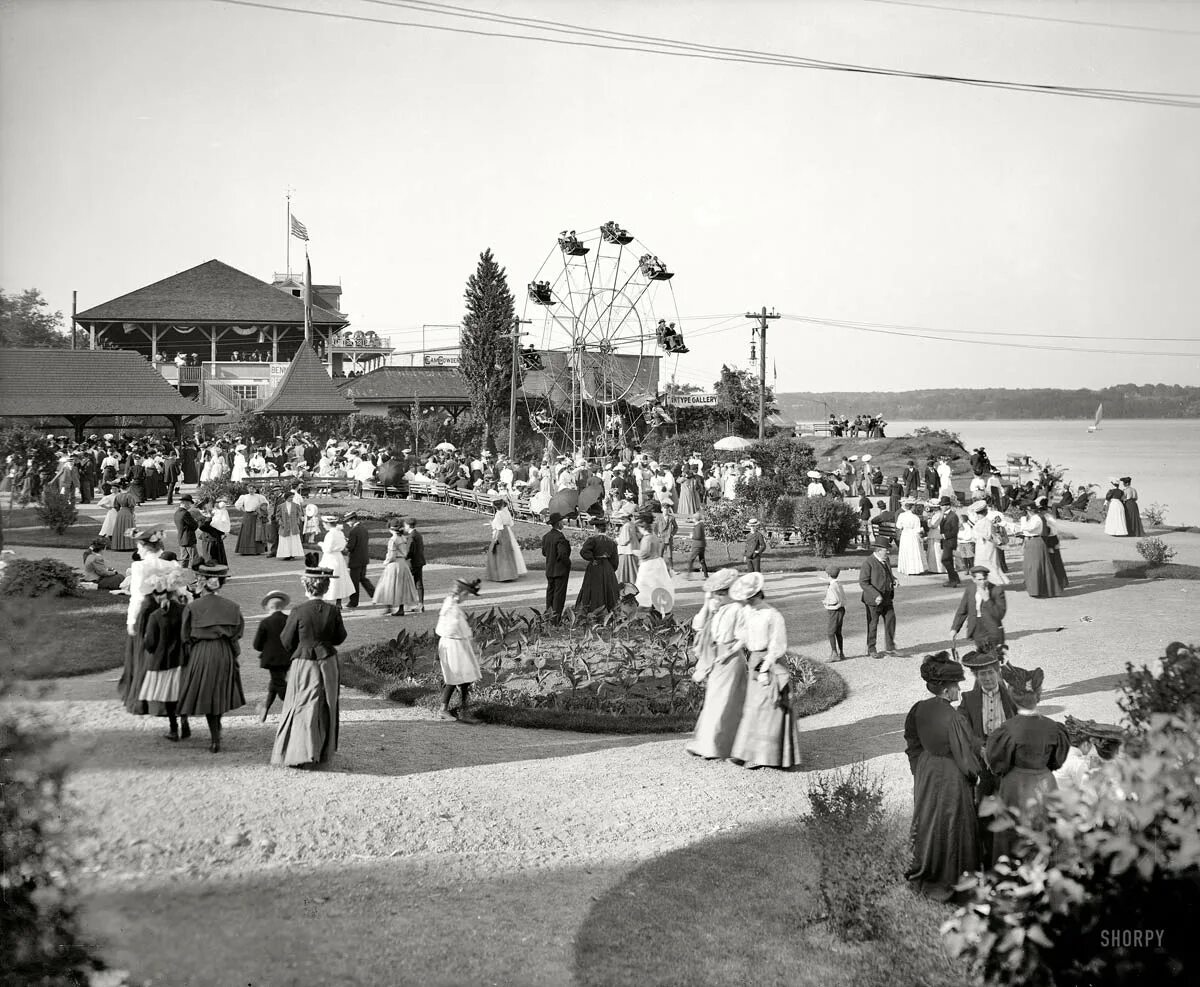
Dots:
{"x": 247, "y": 392}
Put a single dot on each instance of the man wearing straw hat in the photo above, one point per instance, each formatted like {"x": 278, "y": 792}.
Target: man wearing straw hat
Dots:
{"x": 756, "y": 546}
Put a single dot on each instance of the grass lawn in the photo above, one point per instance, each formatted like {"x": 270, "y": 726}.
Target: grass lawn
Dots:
{"x": 745, "y": 909}
{"x": 52, "y": 637}
{"x": 35, "y": 536}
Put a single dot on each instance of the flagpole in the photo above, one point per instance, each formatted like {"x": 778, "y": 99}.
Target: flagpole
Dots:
{"x": 307, "y": 296}
{"x": 287, "y": 226}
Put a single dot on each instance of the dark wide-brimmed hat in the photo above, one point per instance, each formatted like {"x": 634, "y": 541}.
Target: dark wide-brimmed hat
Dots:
{"x": 276, "y": 595}
{"x": 555, "y": 518}
{"x": 946, "y": 502}
{"x": 468, "y": 586}
{"x": 212, "y": 569}
{"x": 1024, "y": 684}
{"x": 941, "y": 669}
{"x": 882, "y": 543}
{"x": 1081, "y": 730}
{"x": 976, "y": 660}
{"x": 317, "y": 572}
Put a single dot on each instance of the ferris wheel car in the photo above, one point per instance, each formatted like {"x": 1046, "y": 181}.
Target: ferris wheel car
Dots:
{"x": 570, "y": 245}
{"x": 612, "y": 233}
{"x": 539, "y": 293}
{"x": 654, "y": 269}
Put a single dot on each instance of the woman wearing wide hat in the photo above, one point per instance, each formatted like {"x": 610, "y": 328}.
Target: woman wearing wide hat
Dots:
{"x": 1025, "y": 751}
{"x": 396, "y": 588}
{"x": 721, "y": 666}
{"x": 600, "y": 590}
{"x": 211, "y": 684}
{"x": 1045, "y": 575}
{"x": 333, "y": 558}
{"x": 504, "y": 560}
{"x": 162, "y": 647}
{"x": 308, "y": 724}
{"x": 944, "y": 767}
{"x": 652, "y": 572}
{"x": 456, "y": 649}
{"x": 1114, "y": 521}
{"x": 143, "y": 571}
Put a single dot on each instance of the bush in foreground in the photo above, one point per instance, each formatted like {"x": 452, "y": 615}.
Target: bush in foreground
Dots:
{"x": 56, "y": 511}
{"x": 826, "y": 523}
{"x": 38, "y": 577}
{"x": 1172, "y": 688}
{"x": 1155, "y": 551}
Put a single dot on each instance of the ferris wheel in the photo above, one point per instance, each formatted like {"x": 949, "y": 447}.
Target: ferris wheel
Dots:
{"x": 603, "y": 317}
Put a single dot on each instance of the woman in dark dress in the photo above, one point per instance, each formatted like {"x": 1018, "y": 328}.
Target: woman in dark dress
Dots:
{"x": 1133, "y": 515}
{"x": 944, "y": 766}
{"x": 1024, "y": 751}
{"x": 308, "y": 727}
{"x": 599, "y": 590}
{"x": 124, "y": 503}
{"x": 212, "y": 628}
{"x": 1045, "y": 574}
{"x": 162, "y": 643}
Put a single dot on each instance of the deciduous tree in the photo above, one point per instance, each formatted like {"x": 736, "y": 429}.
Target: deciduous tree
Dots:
{"x": 26, "y": 321}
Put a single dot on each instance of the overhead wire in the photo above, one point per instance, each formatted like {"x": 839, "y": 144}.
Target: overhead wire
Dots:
{"x": 690, "y": 50}
{"x": 992, "y": 332}
{"x": 1035, "y": 17}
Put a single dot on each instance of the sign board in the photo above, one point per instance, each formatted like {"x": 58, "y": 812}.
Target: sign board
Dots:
{"x": 440, "y": 359}
{"x": 691, "y": 400}
{"x": 277, "y": 372}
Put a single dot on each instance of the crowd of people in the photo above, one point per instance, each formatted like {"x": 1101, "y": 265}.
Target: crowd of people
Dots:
{"x": 861, "y": 426}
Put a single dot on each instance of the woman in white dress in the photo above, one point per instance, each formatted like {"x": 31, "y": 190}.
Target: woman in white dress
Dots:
{"x": 652, "y": 570}
{"x": 1114, "y": 522}
{"x": 109, "y": 527}
{"x": 504, "y": 559}
{"x": 933, "y": 538}
{"x": 456, "y": 649}
{"x": 627, "y": 550}
{"x": 333, "y": 556}
{"x": 986, "y": 538}
{"x": 396, "y": 588}
{"x": 911, "y": 560}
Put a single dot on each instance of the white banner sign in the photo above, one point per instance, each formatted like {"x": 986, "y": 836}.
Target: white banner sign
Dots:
{"x": 440, "y": 359}
{"x": 277, "y": 372}
{"x": 692, "y": 400}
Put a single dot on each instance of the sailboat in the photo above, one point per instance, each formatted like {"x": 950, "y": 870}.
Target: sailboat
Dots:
{"x": 1095, "y": 426}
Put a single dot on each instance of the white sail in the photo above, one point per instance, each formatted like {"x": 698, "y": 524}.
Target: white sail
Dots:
{"x": 1095, "y": 427}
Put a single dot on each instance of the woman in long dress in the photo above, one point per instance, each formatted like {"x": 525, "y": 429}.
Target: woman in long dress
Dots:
{"x": 162, "y": 644}
{"x": 109, "y": 525}
{"x": 1024, "y": 751}
{"x": 125, "y": 504}
{"x": 600, "y": 590}
{"x": 241, "y": 466}
{"x": 767, "y": 736}
{"x": 933, "y": 538}
{"x": 396, "y": 588}
{"x": 333, "y": 558}
{"x": 944, "y": 766}
{"x": 250, "y": 504}
{"x": 690, "y": 497}
{"x": 1133, "y": 515}
{"x": 211, "y": 683}
{"x": 628, "y": 541}
{"x": 911, "y": 560}
{"x": 721, "y": 665}
{"x": 504, "y": 560}
{"x": 456, "y": 650}
{"x": 1114, "y": 522}
{"x": 1042, "y": 577}
{"x": 308, "y": 726}
{"x": 288, "y": 516}
{"x": 143, "y": 574}
{"x": 984, "y": 538}
{"x": 652, "y": 573}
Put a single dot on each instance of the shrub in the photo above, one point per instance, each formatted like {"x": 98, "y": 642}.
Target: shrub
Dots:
{"x": 219, "y": 489}
{"x": 39, "y": 937}
{"x": 788, "y": 460}
{"x": 1117, "y": 855}
{"x": 828, "y": 524}
{"x": 56, "y": 511}
{"x": 1155, "y": 515}
{"x": 726, "y": 521}
{"x": 38, "y": 577}
{"x": 859, "y": 846}
{"x": 784, "y": 515}
{"x": 1155, "y": 551}
{"x": 1176, "y": 689}
{"x": 760, "y": 494}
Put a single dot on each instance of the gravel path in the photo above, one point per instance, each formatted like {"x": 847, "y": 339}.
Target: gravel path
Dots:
{"x": 432, "y": 821}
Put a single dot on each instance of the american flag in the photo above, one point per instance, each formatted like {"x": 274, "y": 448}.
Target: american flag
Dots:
{"x": 299, "y": 230}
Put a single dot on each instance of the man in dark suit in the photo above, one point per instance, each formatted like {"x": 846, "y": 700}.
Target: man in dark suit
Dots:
{"x": 985, "y": 707}
{"x": 982, "y": 609}
{"x": 416, "y": 558}
{"x": 949, "y": 530}
{"x": 556, "y": 550}
{"x": 911, "y": 478}
{"x": 878, "y": 596}
{"x": 932, "y": 481}
{"x": 186, "y": 524}
{"x": 358, "y": 555}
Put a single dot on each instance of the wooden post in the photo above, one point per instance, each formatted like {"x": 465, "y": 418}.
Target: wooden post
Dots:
{"x": 275, "y": 344}
{"x": 154, "y": 343}
{"x": 212, "y": 335}
{"x": 92, "y": 329}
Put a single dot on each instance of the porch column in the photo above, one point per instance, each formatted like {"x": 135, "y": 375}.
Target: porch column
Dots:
{"x": 92, "y": 336}
{"x": 275, "y": 344}
{"x": 154, "y": 343}
{"x": 329, "y": 352}
{"x": 212, "y": 336}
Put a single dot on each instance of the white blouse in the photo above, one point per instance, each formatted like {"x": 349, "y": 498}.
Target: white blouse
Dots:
{"x": 762, "y": 629}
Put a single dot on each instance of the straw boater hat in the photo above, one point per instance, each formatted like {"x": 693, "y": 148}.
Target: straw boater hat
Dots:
{"x": 332, "y": 518}
{"x": 276, "y": 595}
{"x": 941, "y": 669}
{"x": 979, "y": 507}
{"x": 747, "y": 586}
{"x": 467, "y": 586}
{"x": 317, "y": 572}
{"x": 752, "y": 523}
{"x": 866, "y": 458}
{"x": 213, "y": 570}
{"x": 720, "y": 580}
{"x": 814, "y": 474}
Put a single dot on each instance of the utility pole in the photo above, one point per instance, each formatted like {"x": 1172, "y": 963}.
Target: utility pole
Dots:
{"x": 512, "y": 390}
{"x": 761, "y": 318}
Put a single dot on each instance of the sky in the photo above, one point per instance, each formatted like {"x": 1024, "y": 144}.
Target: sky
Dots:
{"x": 143, "y": 137}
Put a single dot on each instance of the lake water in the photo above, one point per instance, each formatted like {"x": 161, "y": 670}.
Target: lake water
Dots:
{"x": 1162, "y": 455}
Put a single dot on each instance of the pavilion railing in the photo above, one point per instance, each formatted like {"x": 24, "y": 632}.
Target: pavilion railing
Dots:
{"x": 224, "y": 396}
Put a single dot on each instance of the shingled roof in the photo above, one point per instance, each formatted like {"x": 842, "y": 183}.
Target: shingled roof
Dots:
{"x": 61, "y": 383}
{"x": 209, "y": 292}
{"x": 432, "y": 385}
{"x": 306, "y": 389}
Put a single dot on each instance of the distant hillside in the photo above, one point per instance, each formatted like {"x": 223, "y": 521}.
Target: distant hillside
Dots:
{"x": 960, "y": 403}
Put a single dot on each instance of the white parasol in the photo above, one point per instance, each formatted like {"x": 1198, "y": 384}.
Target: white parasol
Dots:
{"x": 444, "y": 447}
{"x": 732, "y": 443}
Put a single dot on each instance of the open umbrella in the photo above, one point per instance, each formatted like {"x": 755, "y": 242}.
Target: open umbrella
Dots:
{"x": 444, "y": 447}
{"x": 732, "y": 443}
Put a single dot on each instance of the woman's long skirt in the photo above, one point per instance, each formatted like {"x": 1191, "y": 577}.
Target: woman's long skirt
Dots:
{"x": 987, "y": 554}
{"x": 460, "y": 666}
{"x": 340, "y": 585}
{"x": 124, "y": 520}
{"x": 308, "y": 729}
{"x": 160, "y": 688}
{"x": 1016, "y": 788}
{"x": 653, "y": 574}
{"x": 502, "y": 559}
{"x": 933, "y": 555}
{"x": 724, "y": 698}
{"x": 212, "y": 548}
{"x": 627, "y": 569}
{"x": 767, "y": 736}
{"x": 109, "y": 527}
{"x": 1114, "y": 523}
{"x": 211, "y": 683}
{"x": 1133, "y": 519}
{"x": 396, "y": 587}
{"x": 911, "y": 558}
{"x": 689, "y": 502}
{"x": 1040, "y": 578}
{"x": 290, "y": 547}
{"x": 945, "y": 840}
{"x": 248, "y": 542}
{"x": 133, "y": 675}
{"x": 600, "y": 590}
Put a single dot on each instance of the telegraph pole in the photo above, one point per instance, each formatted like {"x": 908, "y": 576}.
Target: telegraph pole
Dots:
{"x": 761, "y": 318}
{"x": 512, "y": 390}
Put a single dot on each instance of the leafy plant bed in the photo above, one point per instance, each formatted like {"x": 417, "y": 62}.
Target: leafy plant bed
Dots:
{"x": 623, "y": 673}
{"x": 1138, "y": 569}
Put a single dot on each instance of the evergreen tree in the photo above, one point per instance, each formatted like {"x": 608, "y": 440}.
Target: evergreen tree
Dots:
{"x": 486, "y": 362}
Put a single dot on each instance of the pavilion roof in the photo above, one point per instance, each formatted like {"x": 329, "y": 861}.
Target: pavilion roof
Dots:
{"x": 210, "y": 292}
{"x": 433, "y": 385}
{"x": 45, "y": 382}
{"x": 306, "y": 389}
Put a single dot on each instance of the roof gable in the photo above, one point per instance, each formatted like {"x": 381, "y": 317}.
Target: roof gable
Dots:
{"x": 210, "y": 292}
{"x": 401, "y": 384}
{"x": 43, "y": 382}
{"x": 306, "y": 389}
